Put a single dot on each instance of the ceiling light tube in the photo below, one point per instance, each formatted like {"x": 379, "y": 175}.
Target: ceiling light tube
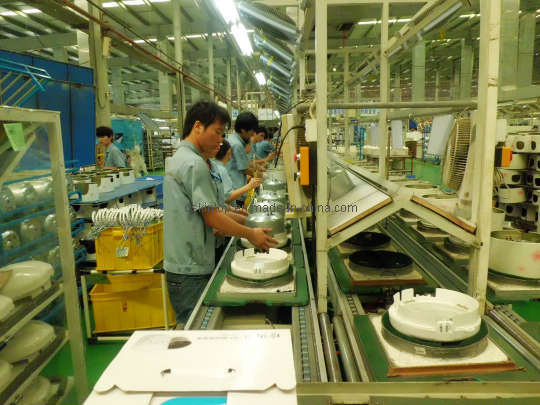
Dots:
{"x": 441, "y": 18}
{"x": 241, "y": 37}
{"x": 260, "y": 78}
{"x": 227, "y": 9}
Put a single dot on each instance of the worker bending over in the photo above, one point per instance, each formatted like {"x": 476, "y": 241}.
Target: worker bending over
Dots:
{"x": 192, "y": 211}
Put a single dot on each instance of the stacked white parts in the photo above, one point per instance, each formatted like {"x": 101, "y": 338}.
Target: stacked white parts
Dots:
{"x": 31, "y": 339}
{"x": 27, "y": 279}
{"x": 449, "y": 316}
{"x": 39, "y": 392}
{"x": 515, "y": 253}
{"x": 260, "y": 266}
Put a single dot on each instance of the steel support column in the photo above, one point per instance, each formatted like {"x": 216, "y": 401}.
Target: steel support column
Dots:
{"x": 321, "y": 98}
{"x": 179, "y": 56}
{"x": 229, "y": 87}
{"x": 527, "y": 32}
{"x": 98, "y": 62}
{"x": 238, "y": 86}
{"x": 509, "y": 41}
{"x": 211, "y": 83}
{"x": 118, "y": 97}
{"x": 488, "y": 80}
{"x": 385, "y": 79}
{"x": 347, "y": 94}
{"x": 419, "y": 71}
{"x": 466, "y": 69}
{"x": 165, "y": 88}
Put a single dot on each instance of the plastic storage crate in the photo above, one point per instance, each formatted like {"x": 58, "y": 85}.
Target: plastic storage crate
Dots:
{"x": 116, "y": 311}
{"x": 133, "y": 253}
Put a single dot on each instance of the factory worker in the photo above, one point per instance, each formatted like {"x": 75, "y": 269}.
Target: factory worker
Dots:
{"x": 223, "y": 156}
{"x": 192, "y": 213}
{"x": 113, "y": 157}
{"x": 238, "y": 167}
{"x": 264, "y": 147}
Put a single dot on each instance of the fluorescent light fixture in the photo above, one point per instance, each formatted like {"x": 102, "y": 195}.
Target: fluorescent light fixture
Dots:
{"x": 442, "y": 17}
{"x": 260, "y": 78}
{"x": 8, "y": 13}
{"x": 31, "y": 11}
{"x": 139, "y": 41}
{"x": 227, "y": 9}
{"x": 110, "y": 4}
{"x": 242, "y": 40}
{"x": 403, "y": 20}
{"x": 152, "y": 39}
{"x": 368, "y": 22}
{"x": 159, "y": 1}
{"x": 133, "y": 2}
{"x": 163, "y": 127}
{"x": 469, "y": 15}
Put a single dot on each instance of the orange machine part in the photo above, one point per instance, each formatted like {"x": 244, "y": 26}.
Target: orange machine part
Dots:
{"x": 304, "y": 165}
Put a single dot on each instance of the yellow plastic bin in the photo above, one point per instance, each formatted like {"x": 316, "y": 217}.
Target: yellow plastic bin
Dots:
{"x": 115, "y": 253}
{"x": 116, "y": 311}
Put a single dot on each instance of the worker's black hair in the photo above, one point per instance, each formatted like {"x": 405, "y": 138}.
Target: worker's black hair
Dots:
{"x": 263, "y": 130}
{"x": 225, "y": 146}
{"x": 206, "y": 112}
{"x": 104, "y": 131}
{"x": 246, "y": 121}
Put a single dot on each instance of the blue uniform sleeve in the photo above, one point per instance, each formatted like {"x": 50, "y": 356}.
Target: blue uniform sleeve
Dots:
{"x": 203, "y": 188}
{"x": 117, "y": 158}
{"x": 240, "y": 157}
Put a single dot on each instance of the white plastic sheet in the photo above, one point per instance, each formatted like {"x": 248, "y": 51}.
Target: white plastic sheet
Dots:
{"x": 440, "y": 131}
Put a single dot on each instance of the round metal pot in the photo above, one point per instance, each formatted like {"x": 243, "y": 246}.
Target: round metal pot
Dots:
{"x": 7, "y": 200}
{"x": 49, "y": 223}
{"x": 24, "y": 194}
{"x": 30, "y": 229}
{"x": 10, "y": 240}
{"x": 263, "y": 206}
{"x": 44, "y": 188}
{"x": 272, "y": 197}
{"x": 265, "y": 220}
{"x": 274, "y": 184}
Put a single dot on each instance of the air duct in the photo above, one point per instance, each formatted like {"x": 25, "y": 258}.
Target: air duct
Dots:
{"x": 273, "y": 22}
{"x": 276, "y": 66}
{"x": 274, "y": 48}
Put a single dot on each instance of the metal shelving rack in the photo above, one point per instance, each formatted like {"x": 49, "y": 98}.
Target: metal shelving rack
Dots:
{"x": 153, "y": 152}
{"x": 46, "y": 122}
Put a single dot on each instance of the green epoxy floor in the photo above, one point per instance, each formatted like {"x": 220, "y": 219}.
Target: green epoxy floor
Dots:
{"x": 99, "y": 355}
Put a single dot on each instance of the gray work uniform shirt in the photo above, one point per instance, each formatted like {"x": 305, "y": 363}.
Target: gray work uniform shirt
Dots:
{"x": 189, "y": 243}
{"x": 113, "y": 157}
{"x": 239, "y": 161}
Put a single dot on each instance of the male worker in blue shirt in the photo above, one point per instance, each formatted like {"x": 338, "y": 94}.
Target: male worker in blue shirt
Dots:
{"x": 113, "y": 157}
{"x": 264, "y": 147}
{"x": 192, "y": 213}
{"x": 238, "y": 167}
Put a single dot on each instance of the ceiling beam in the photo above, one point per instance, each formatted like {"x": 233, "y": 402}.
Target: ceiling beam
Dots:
{"x": 136, "y": 15}
{"x": 22, "y": 44}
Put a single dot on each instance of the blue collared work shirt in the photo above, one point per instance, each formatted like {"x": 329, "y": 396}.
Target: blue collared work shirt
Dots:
{"x": 113, "y": 157}
{"x": 239, "y": 161}
{"x": 189, "y": 186}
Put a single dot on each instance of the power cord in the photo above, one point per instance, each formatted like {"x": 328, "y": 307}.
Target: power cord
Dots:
{"x": 283, "y": 140}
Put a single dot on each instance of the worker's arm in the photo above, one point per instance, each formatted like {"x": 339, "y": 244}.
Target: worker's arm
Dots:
{"x": 223, "y": 224}
{"x": 235, "y": 194}
{"x": 241, "y": 219}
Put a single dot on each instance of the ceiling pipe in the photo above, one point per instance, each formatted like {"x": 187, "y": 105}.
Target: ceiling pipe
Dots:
{"x": 274, "y": 48}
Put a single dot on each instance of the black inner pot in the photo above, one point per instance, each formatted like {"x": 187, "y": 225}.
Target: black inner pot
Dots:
{"x": 369, "y": 240}
{"x": 380, "y": 259}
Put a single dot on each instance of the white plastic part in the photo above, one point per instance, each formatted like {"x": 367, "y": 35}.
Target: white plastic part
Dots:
{"x": 260, "y": 266}
{"x": 535, "y": 198}
{"x": 534, "y": 162}
{"x": 92, "y": 193}
{"x": 524, "y": 143}
{"x": 128, "y": 177}
{"x": 27, "y": 279}
{"x": 529, "y": 213}
{"x": 448, "y": 316}
{"x": 513, "y": 195}
{"x": 512, "y": 177}
{"x": 497, "y": 219}
{"x": 518, "y": 162}
{"x": 533, "y": 179}
{"x": 32, "y": 338}
{"x": 6, "y": 307}
{"x": 5, "y": 374}
{"x": 38, "y": 393}
{"x": 511, "y": 255}
{"x": 281, "y": 238}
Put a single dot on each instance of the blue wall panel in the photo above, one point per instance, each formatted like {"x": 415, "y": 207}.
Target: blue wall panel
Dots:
{"x": 72, "y": 93}
{"x": 82, "y": 75}
{"x": 83, "y": 132}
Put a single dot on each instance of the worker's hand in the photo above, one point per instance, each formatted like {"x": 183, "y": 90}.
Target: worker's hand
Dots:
{"x": 254, "y": 183}
{"x": 260, "y": 239}
{"x": 271, "y": 156}
{"x": 219, "y": 234}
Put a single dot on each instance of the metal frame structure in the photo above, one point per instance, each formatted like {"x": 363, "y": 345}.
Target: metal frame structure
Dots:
{"x": 51, "y": 121}
{"x": 482, "y": 192}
